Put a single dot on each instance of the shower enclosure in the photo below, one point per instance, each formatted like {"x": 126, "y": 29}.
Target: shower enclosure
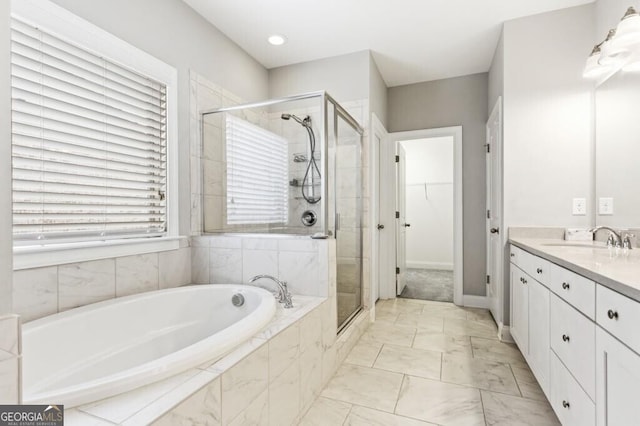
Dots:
{"x": 288, "y": 166}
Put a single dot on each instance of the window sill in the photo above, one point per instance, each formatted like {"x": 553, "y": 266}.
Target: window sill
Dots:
{"x": 39, "y": 256}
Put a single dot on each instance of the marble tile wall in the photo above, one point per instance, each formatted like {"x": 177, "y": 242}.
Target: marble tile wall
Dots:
{"x": 39, "y": 292}
{"x": 10, "y": 359}
{"x": 302, "y": 262}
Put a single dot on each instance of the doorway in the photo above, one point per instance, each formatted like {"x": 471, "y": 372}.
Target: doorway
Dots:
{"x": 404, "y": 217}
{"x": 425, "y": 230}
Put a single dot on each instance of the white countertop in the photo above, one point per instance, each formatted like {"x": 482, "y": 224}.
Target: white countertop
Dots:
{"x": 616, "y": 269}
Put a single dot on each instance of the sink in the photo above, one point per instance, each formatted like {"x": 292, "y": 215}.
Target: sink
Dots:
{"x": 577, "y": 245}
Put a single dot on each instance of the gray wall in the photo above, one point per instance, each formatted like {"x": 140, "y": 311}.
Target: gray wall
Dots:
{"x": 174, "y": 33}
{"x": 453, "y": 102}
{"x": 377, "y": 92}
{"x": 344, "y": 77}
{"x": 6, "y": 255}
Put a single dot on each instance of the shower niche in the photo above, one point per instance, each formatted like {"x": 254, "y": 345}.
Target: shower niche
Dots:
{"x": 288, "y": 166}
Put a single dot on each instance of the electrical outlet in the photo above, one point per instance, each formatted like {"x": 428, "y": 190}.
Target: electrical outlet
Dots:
{"x": 605, "y": 206}
{"x": 579, "y": 206}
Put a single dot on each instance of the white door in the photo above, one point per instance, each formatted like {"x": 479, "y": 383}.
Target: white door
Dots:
{"x": 378, "y": 267}
{"x": 401, "y": 220}
{"x": 494, "y": 211}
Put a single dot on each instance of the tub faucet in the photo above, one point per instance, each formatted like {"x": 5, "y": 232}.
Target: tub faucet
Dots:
{"x": 283, "y": 295}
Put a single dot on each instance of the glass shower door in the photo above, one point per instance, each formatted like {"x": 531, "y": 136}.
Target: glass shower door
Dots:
{"x": 348, "y": 217}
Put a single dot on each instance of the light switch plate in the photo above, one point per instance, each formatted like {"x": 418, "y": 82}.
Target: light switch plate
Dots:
{"x": 579, "y": 206}
{"x": 605, "y": 206}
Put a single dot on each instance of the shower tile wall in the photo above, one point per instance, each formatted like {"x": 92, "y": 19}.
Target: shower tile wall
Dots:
{"x": 10, "y": 358}
{"x": 39, "y": 292}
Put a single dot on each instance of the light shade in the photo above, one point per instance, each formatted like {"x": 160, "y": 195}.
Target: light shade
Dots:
{"x": 593, "y": 68}
{"x": 609, "y": 55}
{"x": 627, "y": 35}
{"x": 277, "y": 39}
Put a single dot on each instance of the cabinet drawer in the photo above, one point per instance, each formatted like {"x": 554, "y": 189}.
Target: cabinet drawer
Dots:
{"x": 514, "y": 254}
{"x": 538, "y": 268}
{"x": 569, "y": 401}
{"x": 619, "y": 315}
{"x": 573, "y": 339}
{"x": 578, "y": 291}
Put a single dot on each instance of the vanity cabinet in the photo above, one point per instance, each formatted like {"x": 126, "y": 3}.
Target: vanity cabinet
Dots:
{"x": 580, "y": 339}
{"x": 530, "y": 315}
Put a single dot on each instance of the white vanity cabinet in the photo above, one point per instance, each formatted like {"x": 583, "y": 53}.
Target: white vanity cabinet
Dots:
{"x": 530, "y": 314}
{"x": 580, "y": 339}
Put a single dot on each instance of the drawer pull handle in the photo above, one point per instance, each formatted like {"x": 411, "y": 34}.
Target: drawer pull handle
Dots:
{"x": 565, "y": 404}
{"x": 539, "y": 270}
{"x": 565, "y": 337}
{"x": 612, "y": 314}
{"x": 565, "y": 286}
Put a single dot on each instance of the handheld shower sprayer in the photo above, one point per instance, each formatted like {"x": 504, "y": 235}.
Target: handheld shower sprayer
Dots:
{"x": 312, "y": 170}
{"x": 306, "y": 122}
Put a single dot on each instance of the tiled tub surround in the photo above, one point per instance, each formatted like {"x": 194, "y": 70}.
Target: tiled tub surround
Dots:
{"x": 304, "y": 263}
{"x": 39, "y": 292}
{"x": 272, "y": 379}
{"x": 10, "y": 359}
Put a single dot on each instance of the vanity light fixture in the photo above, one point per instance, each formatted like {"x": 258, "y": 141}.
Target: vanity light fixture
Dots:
{"x": 277, "y": 39}
{"x": 627, "y": 36}
{"x": 620, "y": 50}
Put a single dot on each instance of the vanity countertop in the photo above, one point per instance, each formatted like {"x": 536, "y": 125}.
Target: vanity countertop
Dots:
{"x": 612, "y": 268}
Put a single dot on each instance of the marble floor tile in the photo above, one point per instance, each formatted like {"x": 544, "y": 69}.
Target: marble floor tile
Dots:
{"x": 505, "y": 410}
{"x": 480, "y": 373}
{"x": 529, "y": 387}
{"x": 453, "y": 345}
{"x": 394, "y": 334}
{"x": 476, "y": 328}
{"x": 364, "y": 354}
{"x": 416, "y": 362}
{"x": 428, "y": 323}
{"x": 386, "y": 316}
{"x": 495, "y": 350}
{"x": 440, "y": 403}
{"x": 405, "y": 306}
{"x": 362, "y": 416}
{"x": 325, "y": 411}
{"x": 364, "y": 386}
{"x": 444, "y": 311}
{"x": 478, "y": 314}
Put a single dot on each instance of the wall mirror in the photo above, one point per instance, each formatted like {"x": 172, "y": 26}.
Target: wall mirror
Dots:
{"x": 617, "y": 159}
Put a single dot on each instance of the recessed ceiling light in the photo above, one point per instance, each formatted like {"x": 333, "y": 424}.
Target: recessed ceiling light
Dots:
{"x": 277, "y": 39}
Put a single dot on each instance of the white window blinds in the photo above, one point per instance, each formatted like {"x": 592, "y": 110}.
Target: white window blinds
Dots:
{"x": 89, "y": 143}
{"x": 257, "y": 174}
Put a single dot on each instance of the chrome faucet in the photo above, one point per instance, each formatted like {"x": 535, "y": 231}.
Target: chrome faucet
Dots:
{"x": 283, "y": 294}
{"x": 616, "y": 239}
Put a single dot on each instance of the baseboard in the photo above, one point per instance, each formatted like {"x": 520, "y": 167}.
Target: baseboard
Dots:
{"x": 429, "y": 265}
{"x": 475, "y": 301}
{"x": 504, "y": 333}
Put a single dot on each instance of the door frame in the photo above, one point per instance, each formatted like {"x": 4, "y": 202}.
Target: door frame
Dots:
{"x": 378, "y": 132}
{"x": 496, "y": 269}
{"x": 387, "y": 204}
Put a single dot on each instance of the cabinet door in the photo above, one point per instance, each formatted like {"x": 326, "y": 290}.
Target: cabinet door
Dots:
{"x": 617, "y": 382}
{"x": 539, "y": 333}
{"x": 520, "y": 310}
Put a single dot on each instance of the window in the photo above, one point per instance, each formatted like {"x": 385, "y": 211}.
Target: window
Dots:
{"x": 257, "y": 171}
{"x": 92, "y": 136}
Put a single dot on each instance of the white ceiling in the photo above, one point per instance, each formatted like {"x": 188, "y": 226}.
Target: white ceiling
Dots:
{"x": 411, "y": 40}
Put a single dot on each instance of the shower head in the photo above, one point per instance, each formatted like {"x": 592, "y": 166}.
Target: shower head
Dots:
{"x": 306, "y": 122}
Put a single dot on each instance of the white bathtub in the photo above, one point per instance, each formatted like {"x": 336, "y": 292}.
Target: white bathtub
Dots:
{"x": 107, "y": 348}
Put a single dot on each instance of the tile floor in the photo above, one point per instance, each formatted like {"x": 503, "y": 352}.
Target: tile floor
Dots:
{"x": 429, "y": 284}
{"x": 431, "y": 363}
